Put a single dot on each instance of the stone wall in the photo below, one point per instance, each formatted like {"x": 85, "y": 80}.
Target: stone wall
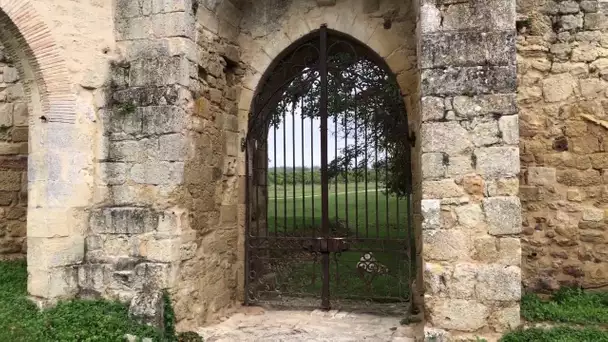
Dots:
{"x": 13, "y": 160}
{"x": 563, "y": 96}
{"x": 470, "y": 165}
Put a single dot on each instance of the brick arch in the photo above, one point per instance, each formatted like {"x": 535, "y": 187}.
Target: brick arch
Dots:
{"x": 29, "y": 39}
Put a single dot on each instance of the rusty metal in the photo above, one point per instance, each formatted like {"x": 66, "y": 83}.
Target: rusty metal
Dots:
{"x": 302, "y": 250}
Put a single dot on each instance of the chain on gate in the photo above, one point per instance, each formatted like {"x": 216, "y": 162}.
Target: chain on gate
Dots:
{"x": 329, "y": 181}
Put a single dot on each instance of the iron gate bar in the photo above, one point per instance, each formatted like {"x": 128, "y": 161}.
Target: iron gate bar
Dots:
{"x": 324, "y": 176}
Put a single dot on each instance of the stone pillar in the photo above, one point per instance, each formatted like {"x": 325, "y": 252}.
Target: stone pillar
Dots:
{"x": 136, "y": 230}
{"x": 470, "y": 166}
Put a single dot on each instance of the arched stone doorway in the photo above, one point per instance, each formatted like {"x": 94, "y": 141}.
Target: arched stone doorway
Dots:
{"x": 43, "y": 124}
{"x": 351, "y": 242}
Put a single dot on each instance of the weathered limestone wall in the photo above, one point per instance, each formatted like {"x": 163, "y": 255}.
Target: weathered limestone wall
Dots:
{"x": 49, "y": 43}
{"x": 563, "y": 97}
{"x": 13, "y": 160}
{"x": 208, "y": 280}
{"x": 134, "y": 235}
{"x": 470, "y": 166}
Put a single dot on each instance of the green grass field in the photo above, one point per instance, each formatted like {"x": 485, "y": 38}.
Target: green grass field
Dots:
{"x": 355, "y": 213}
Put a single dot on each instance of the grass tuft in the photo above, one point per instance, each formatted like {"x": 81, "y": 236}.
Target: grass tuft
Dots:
{"x": 557, "y": 334}
{"x": 567, "y": 306}
{"x": 75, "y": 320}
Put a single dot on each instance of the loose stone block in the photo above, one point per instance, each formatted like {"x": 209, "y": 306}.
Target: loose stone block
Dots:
{"x": 447, "y": 137}
{"x": 445, "y": 245}
{"x": 503, "y": 215}
{"x": 498, "y": 283}
{"x": 431, "y": 210}
{"x": 441, "y": 189}
{"x": 469, "y": 107}
{"x": 558, "y": 88}
{"x": 432, "y": 108}
{"x": 497, "y": 162}
{"x": 470, "y": 216}
{"x": 509, "y": 129}
{"x": 545, "y": 176}
{"x": 448, "y": 314}
{"x": 468, "y": 80}
{"x": 467, "y": 48}
{"x": 433, "y": 165}
{"x": 462, "y": 283}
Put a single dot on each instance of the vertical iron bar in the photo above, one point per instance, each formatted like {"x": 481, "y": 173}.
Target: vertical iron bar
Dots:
{"x": 366, "y": 122}
{"x": 284, "y": 173}
{"x": 356, "y": 119}
{"x": 293, "y": 157}
{"x": 376, "y": 171}
{"x": 347, "y": 163}
{"x": 335, "y": 114}
{"x": 276, "y": 203}
{"x": 312, "y": 174}
{"x": 387, "y": 221}
{"x": 324, "y": 175}
{"x": 247, "y": 223}
{"x": 303, "y": 169}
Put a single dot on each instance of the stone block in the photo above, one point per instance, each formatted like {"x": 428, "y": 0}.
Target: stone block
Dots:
{"x": 507, "y": 319}
{"x": 593, "y": 214}
{"x": 435, "y": 277}
{"x": 52, "y": 283}
{"x": 9, "y": 148}
{"x": 497, "y": 282}
{"x": 6, "y": 114}
{"x": 558, "y": 87}
{"x": 123, "y": 220}
{"x": 461, "y": 284}
{"x": 470, "y": 215}
{"x": 46, "y": 253}
{"x": 497, "y": 162}
{"x": 162, "y": 250}
{"x": 20, "y": 114}
{"x": 164, "y": 120}
{"x": 447, "y": 137}
{"x": 596, "y": 21}
{"x": 432, "y": 108}
{"x": 148, "y": 307}
{"x": 589, "y": 6}
{"x": 545, "y": 176}
{"x": 473, "y": 106}
{"x": 484, "y": 132}
{"x": 431, "y": 214}
{"x": 503, "y": 215}
{"x": 447, "y": 313}
{"x": 114, "y": 173}
{"x": 20, "y": 134}
{"x": 10, "y": 180}
{"x": 433, "y": 165}
{"x": 173, "y": 147}
{"x": 441, "y": 189}
{"x": 467, "y": 48}
{"x": 509, "y": 129}
{"x": 459, "y": 166}
{"x": 468, "y": 80}
{"x": 445, "y": 245}
{"x": 159, "y": 71}
{"x": 572, "y": 177}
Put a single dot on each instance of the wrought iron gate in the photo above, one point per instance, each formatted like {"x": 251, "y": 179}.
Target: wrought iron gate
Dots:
{"x": 337, "y": 230}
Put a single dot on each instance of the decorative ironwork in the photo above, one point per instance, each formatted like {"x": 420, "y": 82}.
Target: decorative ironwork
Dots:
{"x": 329, "y": 181}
